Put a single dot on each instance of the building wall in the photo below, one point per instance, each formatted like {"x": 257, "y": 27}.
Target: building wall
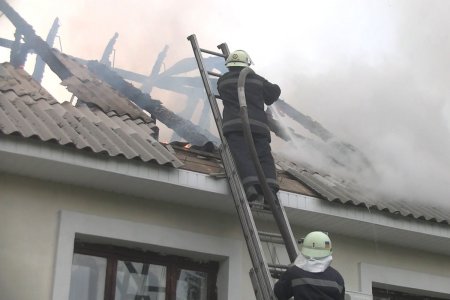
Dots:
{"x": 350, "y": 254}
{"x": 30, "y": 211}
{"x": 29, "y": 218}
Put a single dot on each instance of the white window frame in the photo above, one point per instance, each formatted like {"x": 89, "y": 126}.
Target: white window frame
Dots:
{"x": 370, "y": 274}
{"x": 228, "y": 251}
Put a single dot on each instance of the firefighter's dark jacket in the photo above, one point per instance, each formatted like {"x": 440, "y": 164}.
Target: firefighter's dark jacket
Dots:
{"x": 301, "y": 284}
{"x": 258, "y": 91}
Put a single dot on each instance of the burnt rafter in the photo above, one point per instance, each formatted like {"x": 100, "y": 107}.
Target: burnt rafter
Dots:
{"x": 338, "y": 151}
{"x": 39, "y": 67}
{"x": 311, "y": 125}
{"x": 19, "y": 51}
{"x": 169, "y": 79}
{"x": 184, "y": 128}
{"x": 35, "y": 42}
{"x": 6, "y": 43}
{"x": 109, "y": 49}
{"x": 147, "y": 85}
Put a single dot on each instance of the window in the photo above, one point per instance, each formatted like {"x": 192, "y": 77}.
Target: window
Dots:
{"x": 389, "y": 294}
{"x": 88, "y": 277}
{"x": 104, "y": 272}
{"x": 136, "y": 280}
{"x": 410, "y": 283}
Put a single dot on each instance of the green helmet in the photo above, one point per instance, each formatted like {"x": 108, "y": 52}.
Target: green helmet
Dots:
{"x": 316, "y": 245}
{"x": 238, "y": 58}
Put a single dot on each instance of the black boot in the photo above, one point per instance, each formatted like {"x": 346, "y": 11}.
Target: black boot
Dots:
{"x": 253, "y": 196}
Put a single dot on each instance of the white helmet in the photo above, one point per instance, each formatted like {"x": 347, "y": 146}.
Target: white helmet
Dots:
{"x": 238, "y": 58}
{"x": 316, "y": 245}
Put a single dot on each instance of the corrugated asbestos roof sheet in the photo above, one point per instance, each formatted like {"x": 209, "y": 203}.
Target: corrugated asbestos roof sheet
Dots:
{"x": 29, "y": 110}
{"x": 114, "y": 125}
{"x": 328, "y": 188}
{"x": 87, "y": 87}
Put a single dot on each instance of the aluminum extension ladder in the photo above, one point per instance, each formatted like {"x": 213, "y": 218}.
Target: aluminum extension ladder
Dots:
{"x": 262, "y": 273}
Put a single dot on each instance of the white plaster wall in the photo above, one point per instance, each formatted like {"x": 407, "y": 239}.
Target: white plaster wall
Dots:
{"x": 347, "y": 252}
{"x": 29, "y": 216}
{"x": 29, "y": 211}
{"x": 410, "y": 281}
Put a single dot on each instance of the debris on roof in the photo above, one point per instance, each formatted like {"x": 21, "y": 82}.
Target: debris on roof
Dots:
{"x": 330, "y": 188}
{"x": 184, "y": 128}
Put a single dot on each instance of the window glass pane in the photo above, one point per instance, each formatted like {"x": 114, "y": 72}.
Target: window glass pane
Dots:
{"x": 192, "y": 285}
{"x": 87, "y": 280}
{"x": 140, "y": 281}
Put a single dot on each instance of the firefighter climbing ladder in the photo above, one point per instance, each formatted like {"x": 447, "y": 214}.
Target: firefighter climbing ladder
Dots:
{"x": 260, "y": 274}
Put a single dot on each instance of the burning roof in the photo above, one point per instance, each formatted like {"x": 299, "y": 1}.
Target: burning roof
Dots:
{"x": 114, "y": 117}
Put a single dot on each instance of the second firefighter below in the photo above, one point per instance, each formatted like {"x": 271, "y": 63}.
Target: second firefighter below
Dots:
{"x": 258, "y": 92}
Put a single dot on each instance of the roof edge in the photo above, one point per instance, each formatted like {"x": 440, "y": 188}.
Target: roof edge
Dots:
{"x": 16, "y": 155}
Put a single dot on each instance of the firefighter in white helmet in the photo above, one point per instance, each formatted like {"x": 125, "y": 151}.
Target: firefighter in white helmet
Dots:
{"x": 259, "y": 92}
{"x": 238, "y": 58}
{"x": 311, "y": 276}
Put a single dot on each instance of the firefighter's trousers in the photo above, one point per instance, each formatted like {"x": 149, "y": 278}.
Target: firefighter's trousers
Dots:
{"x": 244, "y": 163}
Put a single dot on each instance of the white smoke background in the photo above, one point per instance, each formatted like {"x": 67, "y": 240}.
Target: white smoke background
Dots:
{"x": 395, "y": 108}
{"x": 375, "y": 73}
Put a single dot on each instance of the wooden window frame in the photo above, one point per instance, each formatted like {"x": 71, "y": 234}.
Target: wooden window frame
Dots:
{"x": 173, "y": 263}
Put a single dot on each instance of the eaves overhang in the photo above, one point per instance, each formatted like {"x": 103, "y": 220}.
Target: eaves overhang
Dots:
{"x": 34, "y": 158}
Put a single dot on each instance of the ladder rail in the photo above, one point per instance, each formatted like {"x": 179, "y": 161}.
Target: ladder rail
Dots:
{"x": 274, "y": 203}
{"x": 264, "y": 286}
{"x": 250, "y": 232}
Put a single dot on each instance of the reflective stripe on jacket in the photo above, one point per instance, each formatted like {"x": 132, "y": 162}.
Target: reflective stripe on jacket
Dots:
{"x": 301, "y": 284}
{"x": 258, "y": 91}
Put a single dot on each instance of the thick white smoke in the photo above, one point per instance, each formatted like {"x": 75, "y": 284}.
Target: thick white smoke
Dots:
{"x": 395, "y": 109}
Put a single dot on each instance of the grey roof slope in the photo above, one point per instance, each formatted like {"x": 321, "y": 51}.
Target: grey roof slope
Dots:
{"x": 29, "y": 110}
{"x": 108, "y": 126}
{"x": 330, "y": 188}
{"x": 90, "y": 89}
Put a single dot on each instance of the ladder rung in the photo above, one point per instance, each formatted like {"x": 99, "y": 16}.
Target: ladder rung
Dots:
{"x": 257, "y": 208}
{"x": 218, "y": 174}
{"x": 271, "y": 240}
{"x": 284, "y": 267}
{"x": 214, "y": 74}
{"x": 275, "y": 274}
{"x": 275, "y": 236}
{"x": 276, "y": 270}
{"x": 271, "y": 237}
{"x": 269, "y": 234}
{"x": 213, "y": 53}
